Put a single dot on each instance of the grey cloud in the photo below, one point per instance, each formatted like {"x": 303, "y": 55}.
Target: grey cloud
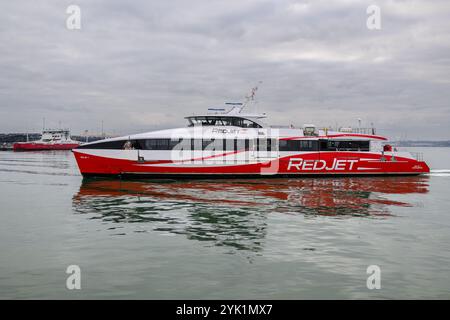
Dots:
{"x": 143, "y": 65}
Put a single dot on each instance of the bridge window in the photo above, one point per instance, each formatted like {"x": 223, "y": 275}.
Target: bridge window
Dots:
{"x": 222, "y": 121}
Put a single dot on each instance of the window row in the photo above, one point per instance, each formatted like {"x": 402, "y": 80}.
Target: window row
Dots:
{"x": 299, "y": 145}
{"x": 232, "y": 145}
{"x": 354, "y": 145}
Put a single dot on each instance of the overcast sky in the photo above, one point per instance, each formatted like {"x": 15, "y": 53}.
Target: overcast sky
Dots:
{"x": 144, "y": 65}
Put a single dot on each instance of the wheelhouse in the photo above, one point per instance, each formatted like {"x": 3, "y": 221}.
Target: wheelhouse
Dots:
{"x": 212, "y": 120}
{"x": 55, "y": 135}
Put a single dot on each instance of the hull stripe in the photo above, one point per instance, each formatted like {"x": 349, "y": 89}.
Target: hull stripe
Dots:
{"x": 294, "y": 165}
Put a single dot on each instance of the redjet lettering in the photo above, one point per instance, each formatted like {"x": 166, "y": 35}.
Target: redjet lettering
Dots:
{"x": 313, "y": 165}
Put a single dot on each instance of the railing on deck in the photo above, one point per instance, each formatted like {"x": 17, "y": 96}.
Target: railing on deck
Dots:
{"x": 417, "y": 155}
{"x": 359, "y": 130}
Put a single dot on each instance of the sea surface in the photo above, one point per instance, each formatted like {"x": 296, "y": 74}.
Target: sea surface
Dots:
{"x": 221, "y": 239}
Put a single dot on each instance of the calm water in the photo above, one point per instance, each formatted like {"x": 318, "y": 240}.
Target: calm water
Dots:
{"x": 234, "y": 239}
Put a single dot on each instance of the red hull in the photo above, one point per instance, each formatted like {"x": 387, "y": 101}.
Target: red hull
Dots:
{"x": 329, "y": 163}
{"x": 36, "y": 146}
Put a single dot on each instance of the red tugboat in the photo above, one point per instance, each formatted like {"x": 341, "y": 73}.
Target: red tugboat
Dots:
{"x": 236, "y": 144}
{"x": 57, "y": 139}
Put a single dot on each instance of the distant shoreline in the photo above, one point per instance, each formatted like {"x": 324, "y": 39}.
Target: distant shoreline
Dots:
{"x": 421, "y": 143}
{"x": 22, "y": 137}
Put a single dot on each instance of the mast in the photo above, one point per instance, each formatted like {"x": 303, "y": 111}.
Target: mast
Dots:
{"x": 251, "y": 97}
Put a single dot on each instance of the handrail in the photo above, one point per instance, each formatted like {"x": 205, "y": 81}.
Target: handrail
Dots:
{"x": 372, "y": 131}
{"x": 417, "y": 155}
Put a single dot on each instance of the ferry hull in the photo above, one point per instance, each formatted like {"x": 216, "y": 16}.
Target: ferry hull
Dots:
{"x": 317, "y": 164}
{"x": 31, "y": 146}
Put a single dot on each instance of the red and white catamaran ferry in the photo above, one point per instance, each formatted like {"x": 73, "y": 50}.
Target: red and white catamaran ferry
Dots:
{"x": 232, "y": 143}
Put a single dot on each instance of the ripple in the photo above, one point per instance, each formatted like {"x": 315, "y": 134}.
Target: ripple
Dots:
{"x": 48, "y": 173}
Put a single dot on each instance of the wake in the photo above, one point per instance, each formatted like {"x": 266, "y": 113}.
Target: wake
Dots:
{"x": 440, "y": 173}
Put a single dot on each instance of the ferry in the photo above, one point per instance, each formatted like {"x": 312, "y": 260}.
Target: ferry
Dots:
{"x": 227, "y": 142}
{"x": 52, "y": 139}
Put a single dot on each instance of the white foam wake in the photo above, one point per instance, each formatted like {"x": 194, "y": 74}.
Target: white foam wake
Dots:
{"x": 440, "y": 173}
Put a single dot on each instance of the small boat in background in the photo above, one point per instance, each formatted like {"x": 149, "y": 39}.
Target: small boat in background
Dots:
{"x": 52, "y": 139}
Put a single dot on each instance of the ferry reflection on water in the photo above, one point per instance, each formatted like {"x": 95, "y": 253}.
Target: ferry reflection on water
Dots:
{"x": 234, "y": 212}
